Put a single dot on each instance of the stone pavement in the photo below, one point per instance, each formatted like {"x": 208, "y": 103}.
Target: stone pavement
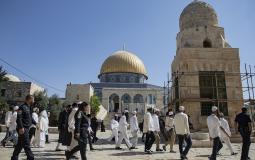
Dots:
{"x": 106, "y": 150}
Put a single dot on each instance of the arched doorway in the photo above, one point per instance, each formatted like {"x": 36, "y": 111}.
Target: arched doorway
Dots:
{"x": 114, "y": 103}
{"x": 139, "y": 103}
{"x": 125, "y": 101}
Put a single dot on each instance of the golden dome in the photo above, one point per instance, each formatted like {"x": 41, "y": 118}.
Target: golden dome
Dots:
{"x": 123, "y": 61}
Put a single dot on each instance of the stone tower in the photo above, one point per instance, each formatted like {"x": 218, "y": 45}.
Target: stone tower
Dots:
{"x": 206, "y": 69}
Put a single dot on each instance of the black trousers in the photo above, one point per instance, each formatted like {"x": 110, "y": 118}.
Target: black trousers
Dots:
{"x": 23, "y": 142}
{"x": 82, "y": 146}
{"x": 246, "y": 136}
{"x": 217, "y": 145}
{"x": 90, "y": 141}
{"x": 187, "y": 139}
{"x": 149, "y": 140}
{"x": 31, "y": 132}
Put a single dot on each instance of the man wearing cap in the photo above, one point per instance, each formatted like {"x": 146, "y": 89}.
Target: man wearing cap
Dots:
{"x": 243, "y": 126}
{"x": 148, "y": 129}
{"x": 182, "y": 131}
{"x": 157, "y": 128}
{"x": 215, "y": 128}
{"x": 134, "y": 129}
{"x": 169, "y": 131}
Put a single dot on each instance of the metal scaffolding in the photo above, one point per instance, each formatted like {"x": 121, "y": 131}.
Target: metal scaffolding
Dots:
{"x": 247, "y": 80}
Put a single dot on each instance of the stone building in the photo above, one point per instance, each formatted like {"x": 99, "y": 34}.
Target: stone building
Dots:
{"x": 205, "y": 69}
{"x": 122, "y": 85}
{"x": 78, "y": 92}
{"x": 14, "y": 91}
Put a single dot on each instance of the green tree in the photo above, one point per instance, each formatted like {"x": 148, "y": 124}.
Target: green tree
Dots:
{"x": 3, "y": 74}
{"x": 55, "y": 107}
{"x": 42, "y": 99}
{"x": 94, "y": 104}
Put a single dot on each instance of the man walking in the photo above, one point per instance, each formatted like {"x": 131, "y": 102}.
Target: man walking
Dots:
{"x": 80, "y": 132}
{"x": 169, "y": 131}
{"x": 24, "y": 121}
{"x": 243, "y": 125}
{"x": 71, "y": 127}
{"x": 148, "y": 129}
{"x": 157, "y": 129}
{"x": 215, "y": 128}
{"x": 62, "y": 120}
{"x": 123, "y": 133}
{"x": 183, "y": 132}
{"x": 225, "y": 138}
{"x": 134, "y": 129}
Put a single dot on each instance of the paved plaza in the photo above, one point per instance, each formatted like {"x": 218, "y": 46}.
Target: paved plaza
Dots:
{"x": 106, "y": 150}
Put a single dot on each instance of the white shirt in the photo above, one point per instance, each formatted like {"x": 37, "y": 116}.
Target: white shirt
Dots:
{"x": 8, "y": 118}
{"x": 148, "y": 124}
{"x": 35, "y": 118}
{"x": 181, "y": 123}
{"x": 71, "y": 120}
{"x": 43, "y": 122}
{"x": 13, "y": 124}
{"x": 155, "y": 122}
{"x": 123, "y": 123}
{"x": 224, "y": 124}
{"x": 114, "y": 124}
{"x": 169, "y": 123}
{"x": 213, "y": 123}
{"x": 134, "y": 123}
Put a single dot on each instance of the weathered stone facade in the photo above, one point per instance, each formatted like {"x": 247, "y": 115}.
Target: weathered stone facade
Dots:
{"x": 15, "y": 92}
{"x": 201, "y": 46}
{"x": 79, "y": 92}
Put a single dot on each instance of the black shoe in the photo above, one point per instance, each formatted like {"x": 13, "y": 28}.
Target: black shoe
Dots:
{"x": 132, "y": 148}
{"x": 67, "y": 154}
{"x": 147, "y": 152}
{"x": 92, "y": 149}
{"x": 74, "y": 157}
{"x": 159, "y": 150}
{"x": 57, "y": 150}
{"x": 4, "y": 144}
{"x": 183, "y": 157}
{"x": 118, "y": 148}
{"x": 164, "y": 148}
{"x": 232, "y": 154}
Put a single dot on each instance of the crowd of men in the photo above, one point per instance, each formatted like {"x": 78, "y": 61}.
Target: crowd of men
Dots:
{"x": 27, "y": 125}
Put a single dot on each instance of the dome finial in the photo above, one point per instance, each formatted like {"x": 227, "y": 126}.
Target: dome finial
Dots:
{"x": 124, "y": 47}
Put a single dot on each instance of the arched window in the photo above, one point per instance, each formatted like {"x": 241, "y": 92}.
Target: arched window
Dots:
{"x": 138, "y": 98}
{"x": 126, "y": 98}
{"x": 207, "y": 43}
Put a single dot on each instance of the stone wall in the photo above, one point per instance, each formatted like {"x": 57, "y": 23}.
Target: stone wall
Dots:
{"x": 78, "y": 92}
{"x": 189, "y": 61}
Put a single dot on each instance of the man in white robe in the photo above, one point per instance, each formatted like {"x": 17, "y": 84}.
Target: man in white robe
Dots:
{"x": 42, "y": 128}
{"x": 114, "y": 128}
{"x": 134, "y": 128}
{"x": 123, "y": 133}
{"x": 13, "y": 136}
{"x": 225, "y": 138}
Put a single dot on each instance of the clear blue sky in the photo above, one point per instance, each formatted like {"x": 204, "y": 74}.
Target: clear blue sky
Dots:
{"x": 62, "y": 41}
